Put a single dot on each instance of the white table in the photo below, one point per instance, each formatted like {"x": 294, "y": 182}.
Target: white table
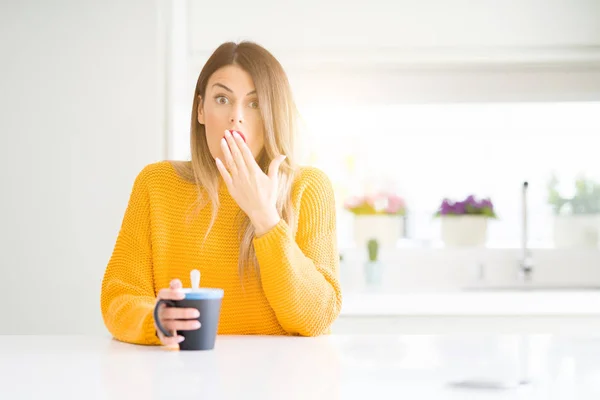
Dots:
{"x": 327, "y": 367}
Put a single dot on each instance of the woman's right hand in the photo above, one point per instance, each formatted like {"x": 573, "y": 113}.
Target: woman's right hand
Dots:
{"x": 174, "y": 319}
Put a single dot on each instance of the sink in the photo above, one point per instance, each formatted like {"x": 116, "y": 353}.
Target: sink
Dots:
{"x": 532, "y": 288}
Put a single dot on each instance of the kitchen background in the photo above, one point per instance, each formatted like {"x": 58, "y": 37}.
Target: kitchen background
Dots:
{"x": 415, "y": 102}
{"x": 420, "y": 100}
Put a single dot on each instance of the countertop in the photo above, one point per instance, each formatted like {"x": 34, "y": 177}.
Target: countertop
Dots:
{"x": 326, "y": 367}
{"x": 472, "y": 303}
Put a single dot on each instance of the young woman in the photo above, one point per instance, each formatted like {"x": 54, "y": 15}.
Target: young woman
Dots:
{"x": 241, "y": 211}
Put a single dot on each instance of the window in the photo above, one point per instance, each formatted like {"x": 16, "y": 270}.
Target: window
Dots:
{"x": 427, "y": 152}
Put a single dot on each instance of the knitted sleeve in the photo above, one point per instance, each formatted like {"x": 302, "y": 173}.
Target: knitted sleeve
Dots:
{"x": 300, "y": 275}
{"x": 128, "y": 296}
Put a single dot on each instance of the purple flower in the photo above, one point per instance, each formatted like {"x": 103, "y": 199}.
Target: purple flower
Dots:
{"x": 487, "y": 203}
{"x": 471, "y": 205}
{"x": 460, "y": 207}
{"x": 447, "y": 207}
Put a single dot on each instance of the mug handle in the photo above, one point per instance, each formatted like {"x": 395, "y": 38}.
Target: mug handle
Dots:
{"x": 169, "y": 303}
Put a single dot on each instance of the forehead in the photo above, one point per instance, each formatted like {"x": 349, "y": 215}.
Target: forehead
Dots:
{"x": 233, "y": 77}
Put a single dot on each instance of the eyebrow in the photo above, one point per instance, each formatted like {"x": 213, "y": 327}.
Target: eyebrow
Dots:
{"x": 231, "y": 91}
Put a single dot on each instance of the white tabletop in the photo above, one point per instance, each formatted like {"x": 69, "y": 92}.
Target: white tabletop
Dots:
{"x": 327, "y": 367}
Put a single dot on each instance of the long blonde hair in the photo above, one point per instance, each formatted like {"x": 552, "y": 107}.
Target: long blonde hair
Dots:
{"x": 279, "y": 115}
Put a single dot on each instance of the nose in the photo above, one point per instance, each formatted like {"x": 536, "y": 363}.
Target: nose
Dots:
{"x": 237, "y": 117}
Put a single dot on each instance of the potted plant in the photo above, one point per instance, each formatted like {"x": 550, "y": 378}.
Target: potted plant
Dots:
{"x": 576, "y": 217}
{"x": 373, "y": 267}
{"x": 380, "y": 217}
{"x": 464, "y": 223}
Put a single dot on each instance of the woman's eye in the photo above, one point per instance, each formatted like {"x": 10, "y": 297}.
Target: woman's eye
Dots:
{"x": 254, "y": 104}
{"x": 222, "y": 99}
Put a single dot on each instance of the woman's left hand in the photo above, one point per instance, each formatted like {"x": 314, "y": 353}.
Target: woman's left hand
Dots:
{"x": 253, "y": 190}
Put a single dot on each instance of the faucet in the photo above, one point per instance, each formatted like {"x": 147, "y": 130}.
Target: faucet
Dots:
{"x": 525, "y": 263}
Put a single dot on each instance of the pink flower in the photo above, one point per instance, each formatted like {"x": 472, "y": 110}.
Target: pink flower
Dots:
{"x": 378, "y": 203}
{"x": 395, "y": 204}
{"x": 354, "y": 201}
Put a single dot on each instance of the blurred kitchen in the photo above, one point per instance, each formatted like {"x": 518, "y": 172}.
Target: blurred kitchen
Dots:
{"x": 462, "y": 139}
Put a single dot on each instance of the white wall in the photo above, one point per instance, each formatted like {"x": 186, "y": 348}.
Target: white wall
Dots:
{"x": 405, "y": 30}
{"x": 408, "y": 51}
{"x": 81, "y": 112}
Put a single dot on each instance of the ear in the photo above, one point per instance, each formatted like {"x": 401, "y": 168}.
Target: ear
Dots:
{"x": 200, "y": 110}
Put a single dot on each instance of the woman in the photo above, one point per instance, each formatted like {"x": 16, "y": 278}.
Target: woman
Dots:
{"x": 242, "y": 212}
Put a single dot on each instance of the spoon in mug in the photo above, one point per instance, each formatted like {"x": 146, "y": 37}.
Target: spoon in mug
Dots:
{"x": 195, "y": 278}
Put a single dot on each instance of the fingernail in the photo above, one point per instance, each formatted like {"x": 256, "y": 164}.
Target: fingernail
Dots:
{"x": 180, "y": 339}
{"x": 196, "y": 313}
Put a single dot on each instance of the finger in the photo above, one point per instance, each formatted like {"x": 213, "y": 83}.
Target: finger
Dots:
{"x": 178, "y": 313}
{"x": 240, "y": 164}
{"x": 228, "y": 157}
{"x": 175, "y": 325}
{"x": 170, "y": 341}
{"x": 251, "y": 163}
{"x": 161, "y": 335}
{"x": 274, "y": 166}
{"x": 225, "y": 174}
{"x": 171, "y": 294}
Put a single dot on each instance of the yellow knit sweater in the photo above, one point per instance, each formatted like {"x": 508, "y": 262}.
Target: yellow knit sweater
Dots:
{"x": 298, "y": 292}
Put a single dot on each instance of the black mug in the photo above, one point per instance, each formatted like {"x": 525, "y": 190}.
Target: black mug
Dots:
{"x": 208, "y": 302}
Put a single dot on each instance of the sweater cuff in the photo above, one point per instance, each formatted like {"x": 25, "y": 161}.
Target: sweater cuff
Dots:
{"x": 271, "y": 237}
{"x": 150, "y": 336}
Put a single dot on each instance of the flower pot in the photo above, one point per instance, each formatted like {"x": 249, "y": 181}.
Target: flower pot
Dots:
{"x": 373, "y": 273}
{"x": 386, "y": 229}
{"x": 576, "y": 231}
{"x": 464, "y": 230}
